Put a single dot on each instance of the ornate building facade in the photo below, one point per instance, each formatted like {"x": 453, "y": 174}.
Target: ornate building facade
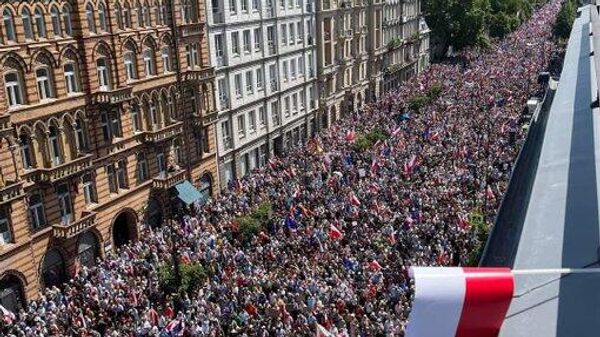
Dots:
{"x": 107, "y": 111}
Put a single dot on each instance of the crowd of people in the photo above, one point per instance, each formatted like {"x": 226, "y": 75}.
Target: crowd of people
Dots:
{"x": 348, "y": 221}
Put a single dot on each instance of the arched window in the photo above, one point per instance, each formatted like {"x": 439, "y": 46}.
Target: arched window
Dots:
{"x": 127, "y": 15}
{"x": 66, "y": 13}
{"x": 102, "y": 17}
{"x": 89, "y": 15}
{"x": 153, "y": 112}
{"x": 146, "y": 13}
{"x": 26, "y": 154}
{"x": 54, "y": 146}
{"x": 14, "y": 88}
{"x": 87, "y": 249}
{"x": 119, "y": 15}
{"x": 171, "y": 107}
{"x": 166, "y": 59}
{"x": 5, "y": 232}
{"x": 130, "y": 66}
{"x": 135, "y": 117}
{"x": 205, "y": 188}
{"x": 71, "y": 78}
{"x": 186, "y": 11}
{"x": 103, "y": 72}
{"x": 81, "y": 135}
{"x": 36, "y": 211}
{"x": 164, "y": 12}
{"x": 9, "y": 26}
{"x": 140, "y": 15}
{"x": 44, "y": 83}
{"x": 56, "y": 26}
{"x": 11, "y": 293}
{"x": 158, "y": 14}
{"x": 27, "y": 27}
{"x": 40, "y": 24}
{"x": 149, "y": 67}
{"x": 178, "y": 151}
{"x": 53, "y": 269}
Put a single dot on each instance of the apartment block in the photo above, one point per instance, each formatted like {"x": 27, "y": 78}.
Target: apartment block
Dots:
{"x": 264, "y": 56}
{"x": 354, "y": 53}
{"x": 107, "y": 125}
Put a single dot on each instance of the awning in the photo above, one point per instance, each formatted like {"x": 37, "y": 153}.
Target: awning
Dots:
{"x": 187, "y": 193}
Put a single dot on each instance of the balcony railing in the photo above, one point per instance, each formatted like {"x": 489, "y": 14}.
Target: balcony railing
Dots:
{"x": 199, "y": 75}
{"x": 11, "y": 191}
{"x": 112, "y": 97}
{"x": 52, "y": 174}
{"x": 210, "y": 117}
{"x": 162, "y": 134}
{"x": 67, "y": 231}
{"x": 169, "y": 179}
{"x": 189, "y": 29}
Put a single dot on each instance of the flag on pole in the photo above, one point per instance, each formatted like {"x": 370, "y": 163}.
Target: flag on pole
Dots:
{"x": 7, "y": 315}
{"x": 322, "y": 332}
{"x": 459, "y": 302}
{"x": 334, "y": 232}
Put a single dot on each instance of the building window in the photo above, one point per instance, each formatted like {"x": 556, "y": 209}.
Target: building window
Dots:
{"x": 222, "y": 88}
{"x": 226, "y": 135}
{"x": 205, "y": 142}
{"x": 14, "y": 93}
{"x": 9, "y": 25}
{"x": 122, "y": 174}
{"x": 254, "y": 5}
{"x": 257, "y": 40}
{"x": 235, "y": 43}
{"x": 286, "y": 106}
{"x": 166, "y": 59}
{"x": 71, "y": 82}
{"x": 112, "y": 179}
{"x": 284, "y": 70}
{"x": 102, "y": 17}
{"x": 299, "y": 30}
{"x": 249, "y": 83}
{"x": 252, "y": 121}
{"x": 119, "y": 15}
{"x": 80, "y": 134}
{"x": 55, "y": 18}
{"x": 271, "y": 40}
{"x": 142, "y": 168}
{"x": 111, "y": 125}
{"x": 5, "y": 234}
{"x": 127, "y": 15}
{"x": 160, "y": 162}
{"x": 292, "y": 34}
{"x": 89, "y": 15}
{"x": 40, "y": 25}
{"x": 247, "y": 42}
{"x": 233, "y": 7}
{"x": 27, "y": 27}
{"x": 67, "y": 20}
{"x": 262, "y": 117}
{"x": 244, "y": 6}
{"x": 43, "y": 84}
{"x": 135, "y": 117}
{"x": 54, "y": 145}
{"x": 275, "y": 114}
{"x": 146, "y": 15}
{"x": 140, "y": 15}
{"x": 103, "y": 74}
{"x": 64, "y": 203}
{"x": 238, "y": 85}
{"x": 26, "y": 155}
{"x": 89, "y": 189}
{"x": 259, "y": 79}
{"x": 153, "y": 115}
{"x": 293, "y": 68}
{"x": 36, "y": 211}
{"x": 178, "y": 152}
{"x": 283, "y": 31}
{"x": 300, "y": 65}
{"x": 273, "y": 77}
{"x": 149, "y": 62}
{"x": 192, "y": 55}
{"x": 186, "y": 11}
{"x": 130, "y": 68}
{"x": 241, "y": 124}
{"x": 295, "y": 103}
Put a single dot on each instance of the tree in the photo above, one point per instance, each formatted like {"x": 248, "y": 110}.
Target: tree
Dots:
{"x": 564, "y": 20}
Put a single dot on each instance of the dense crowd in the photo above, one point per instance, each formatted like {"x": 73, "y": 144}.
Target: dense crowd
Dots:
{"x": 348, "y": 224}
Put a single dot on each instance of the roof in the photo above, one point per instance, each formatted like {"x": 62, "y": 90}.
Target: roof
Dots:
{"x": 561, "y": 227}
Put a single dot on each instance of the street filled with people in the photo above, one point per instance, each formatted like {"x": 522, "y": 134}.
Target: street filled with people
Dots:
{"x": 348, "y": 219}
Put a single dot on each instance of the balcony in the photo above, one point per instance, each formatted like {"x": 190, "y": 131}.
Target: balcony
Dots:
{"x": 199, "y": 75}
{"x": 113, "y": 96}
{"x": 210, "y": 118}
{"x": 70, "y": 230}
{"x": 190, "y": 29}
{"x": 11, "y": 191}
{"x": 162, "y": 134}
{"x": 169, "y": 179}
{"x": 52, "y": 174}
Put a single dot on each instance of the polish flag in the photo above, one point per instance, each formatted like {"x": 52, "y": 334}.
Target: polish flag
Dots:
{"x": 459, "y": 301}
{"x": 7, "y": 315}
{"x": 354, "y": 200}
{"x": 350, "y": 136}
{"x": 489, "y": 194}
{"x": 335, "y": 233}
{"x": 322, "y": 332}
{"x": 374, "y": 265}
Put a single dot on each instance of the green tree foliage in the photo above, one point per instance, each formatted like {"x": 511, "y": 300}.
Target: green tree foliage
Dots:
{"x": 365, "y": 141}
{"x": 253, "y": 223}
{"x": 469, "y": 23}
{"x": 192, "y": 275}
{"x": 564, "y": 21}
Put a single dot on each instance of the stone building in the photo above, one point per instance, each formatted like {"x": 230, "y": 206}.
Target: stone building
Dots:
{"x": 107, "y": 124}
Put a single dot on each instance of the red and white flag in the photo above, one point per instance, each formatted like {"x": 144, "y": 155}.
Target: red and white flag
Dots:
{"x": 7, "y": 315}
{"x": 322, "y": 332}
{"x": 335, "y": 233}
{"x": 459, "y": 302}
